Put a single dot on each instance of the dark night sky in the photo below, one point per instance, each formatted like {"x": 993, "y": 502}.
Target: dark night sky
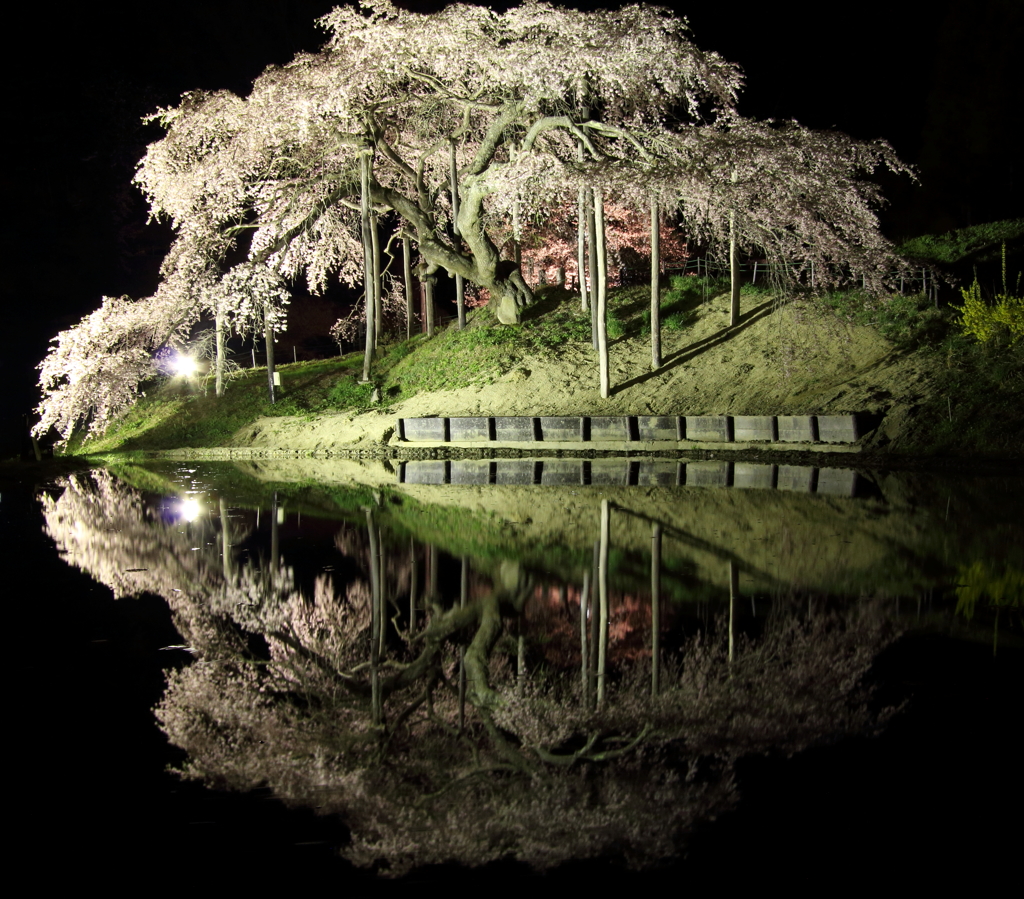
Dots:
{"x": 935, "y": 79}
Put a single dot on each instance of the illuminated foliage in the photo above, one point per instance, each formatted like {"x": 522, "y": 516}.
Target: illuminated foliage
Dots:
{"x": 985, "y": 321}
{"x": 534, "y": 103}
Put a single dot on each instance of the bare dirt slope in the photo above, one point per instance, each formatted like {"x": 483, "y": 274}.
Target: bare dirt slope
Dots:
{"x": 790, "y": 359}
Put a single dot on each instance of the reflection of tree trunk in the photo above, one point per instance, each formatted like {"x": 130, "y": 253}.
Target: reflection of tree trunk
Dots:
{"x": 382, "y": 585}
{"x": 413, "y": 586}
{"x": 225, "y": 537}
{"x": 655, "y": 289}
{"x": 432, "y": 574}
{"x": 602, "y": 294}
{"x": 584, "y": 666}
{"x": 463, "y": 597}
{"x": 275, "y": 544}
{"x": 521, "y": 660}
{"x": 602, "y": 588}
{"x": 655, "y": 608}
{"x": 479, "y": 651}
{"x": 376, "y": 624}
{"x": 734, "y": 591}
{"x": 595, "y": 619}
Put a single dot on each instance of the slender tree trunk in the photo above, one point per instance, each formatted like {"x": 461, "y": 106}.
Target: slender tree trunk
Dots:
{"x": 734, "y": 268}
{"x": 410, "y": 301}
{"x": 460, "y": 300}
{"x": 460, "y": 286}
{"x": 517, "y": 250}
{"x": 427, "y": 281}
{"x": 364, "y": 216}
{"x": 602, "y": 295}
{"x": 378, "y": 302}
{"x": 219, "y": 381}
{"x": 581, "y": 241}
{"x": 268, "y": 339}
{"x": 592, "y": 265}
{"x": 655, "y": 289}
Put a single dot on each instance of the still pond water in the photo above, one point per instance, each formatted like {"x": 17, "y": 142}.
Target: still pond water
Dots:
{"x": 496, "y": 669}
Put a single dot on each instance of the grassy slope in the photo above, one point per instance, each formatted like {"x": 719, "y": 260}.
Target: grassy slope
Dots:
{"x": 983, "y": 384}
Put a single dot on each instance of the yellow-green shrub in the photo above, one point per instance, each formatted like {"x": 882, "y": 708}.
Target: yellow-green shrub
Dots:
{"x": 984, "y": 321}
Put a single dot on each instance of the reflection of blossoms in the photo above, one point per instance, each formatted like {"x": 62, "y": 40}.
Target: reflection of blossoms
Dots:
{"x": 106, "y": 529}
{"x": 431, "y": 742}
{"x": 535, "y": 773}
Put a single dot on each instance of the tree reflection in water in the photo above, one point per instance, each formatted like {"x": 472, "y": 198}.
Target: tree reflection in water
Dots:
{"x": 413, "y": 717}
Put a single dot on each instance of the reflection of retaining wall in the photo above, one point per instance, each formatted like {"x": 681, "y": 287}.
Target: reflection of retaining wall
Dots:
{"x": 635, "y": 429}
{"x": 624, "y": 472}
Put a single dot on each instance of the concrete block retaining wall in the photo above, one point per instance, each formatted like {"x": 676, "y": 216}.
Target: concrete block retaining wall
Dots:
{"x": 620, "y": 471}
{"x": 626, "y": 429}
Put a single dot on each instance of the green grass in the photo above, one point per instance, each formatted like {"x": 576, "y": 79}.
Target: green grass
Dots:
{"x": 979, "y": 243}
{"x": 908, "y": 321}
{"x": 984, "y": 382}
{"x": 173, "y": 415}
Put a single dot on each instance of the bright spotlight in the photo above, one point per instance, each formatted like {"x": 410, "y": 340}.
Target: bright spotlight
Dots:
{"x": 184, "y": 365}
